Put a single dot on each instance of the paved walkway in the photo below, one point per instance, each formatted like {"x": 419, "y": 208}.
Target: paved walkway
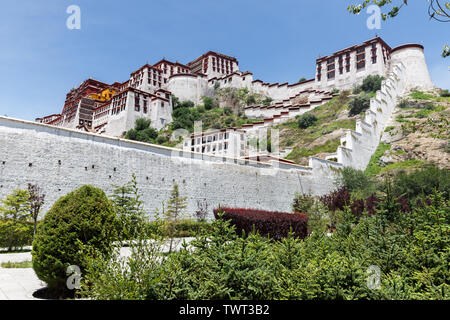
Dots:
{"x": 21, "y": 283}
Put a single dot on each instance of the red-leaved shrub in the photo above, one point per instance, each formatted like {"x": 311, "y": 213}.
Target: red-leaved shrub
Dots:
{"x": 336, "y": 200}
{"x": 275, "y": 224}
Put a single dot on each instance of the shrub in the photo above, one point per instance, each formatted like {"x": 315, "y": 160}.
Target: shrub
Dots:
{"x": 356, "y": 180}
{"x": 209, "y": 103}
{"x": 307, "y": 120}
{"x": 83, "y": 219}
{"x": 445, "y": 93}
{"x": 404, "y": 103}
{"x": 277, "y": 225}
{"x": 423, "y": 181}
{"x": 182, "y": 228}
{"x": 337, "y": 199}
{"x": 267, "y": 101}
{"x": 228, "y": 111}
{"x": 372, "y": 83}
{"x": 142, "y": 131}
{"x": 161, "y": 139}
{"x": 302, "y": 203}
{"x": 359, "y": 104}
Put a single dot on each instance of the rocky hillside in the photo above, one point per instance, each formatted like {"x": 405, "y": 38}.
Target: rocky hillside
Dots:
{"x": 323, "y": 136}
{"x": 417, "y": 135}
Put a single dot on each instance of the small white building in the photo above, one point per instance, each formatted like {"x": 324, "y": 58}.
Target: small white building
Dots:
{"x": 229, "y": 143}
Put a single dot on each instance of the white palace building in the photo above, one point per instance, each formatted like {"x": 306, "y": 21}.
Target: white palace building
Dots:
{"x": 111, "y": 109}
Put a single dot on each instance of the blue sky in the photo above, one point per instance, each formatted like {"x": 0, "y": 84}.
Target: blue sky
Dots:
{"x": 41, "y": 60}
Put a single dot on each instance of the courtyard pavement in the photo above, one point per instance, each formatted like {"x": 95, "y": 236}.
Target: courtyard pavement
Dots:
{"x": 21, "y": 283}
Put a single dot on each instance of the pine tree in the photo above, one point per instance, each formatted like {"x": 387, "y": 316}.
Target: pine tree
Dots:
{"x": 129, "y": 209}
{"x": 175, "y": 210}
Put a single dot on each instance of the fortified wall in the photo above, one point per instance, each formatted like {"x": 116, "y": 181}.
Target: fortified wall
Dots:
{"x": 60, "y": 160}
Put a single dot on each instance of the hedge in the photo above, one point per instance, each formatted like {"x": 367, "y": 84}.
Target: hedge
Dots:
{"x": 276, "y": 225}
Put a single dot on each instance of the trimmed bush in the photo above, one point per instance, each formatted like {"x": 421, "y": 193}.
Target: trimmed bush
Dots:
{"x": 307, "y": 120}
{"x": 83, "y": 219}
{"x": 277, "y": 225}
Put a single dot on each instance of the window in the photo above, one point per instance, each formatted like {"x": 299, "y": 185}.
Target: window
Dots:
{"x": 374, "y": 59}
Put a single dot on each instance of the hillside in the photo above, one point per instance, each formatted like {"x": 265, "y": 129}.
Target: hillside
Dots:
{"x": 323, "y": 137}
{"x": 417, "y": 135}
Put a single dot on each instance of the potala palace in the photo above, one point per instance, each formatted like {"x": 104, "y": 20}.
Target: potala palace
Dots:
{"x": 84, "y": 144}
{"x": 111, "y": 109}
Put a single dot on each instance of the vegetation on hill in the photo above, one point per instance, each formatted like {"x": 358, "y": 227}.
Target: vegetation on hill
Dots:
{"x": 317, "y": 132}
{"x": 417, "y": 136}
{"x": 211, "y": 115}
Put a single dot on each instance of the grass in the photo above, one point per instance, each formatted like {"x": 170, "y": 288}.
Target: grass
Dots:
{"x": 298, "y": 153}
{"x": 373, "y": 168}
{"x": 23, "y": 264}
{"x": 300, "y": 139}
{"x": 419, "y": 95}
{"x": 403, "y": 165}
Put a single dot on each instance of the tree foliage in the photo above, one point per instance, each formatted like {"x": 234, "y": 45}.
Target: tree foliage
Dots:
{"x": 142, "y": 131}
{"x": 14, "y": 214}
{"x": 82, "y": 219}
{"x": 359, "y": 104}
{"x": 129, "y": 209}
{"x": 307, "y": 120}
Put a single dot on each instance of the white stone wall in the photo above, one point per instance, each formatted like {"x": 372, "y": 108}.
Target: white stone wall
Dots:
{"x": 358, "y": 146}
{"x": 189, "y": 87}
{"x": 61, "y": 160}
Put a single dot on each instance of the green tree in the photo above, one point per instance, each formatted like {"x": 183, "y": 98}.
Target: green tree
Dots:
{"x": 129, "y": 209}
{"x": 175, "y": 210}
{"x": 15, "y": 212}
{"x": 142, "y": 131}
